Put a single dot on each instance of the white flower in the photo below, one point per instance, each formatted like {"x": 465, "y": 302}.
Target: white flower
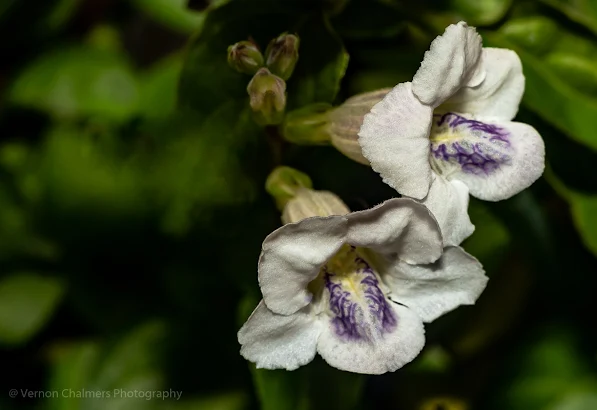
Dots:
{"x": 355, "y": 288}
{"x": 450, "y": 131}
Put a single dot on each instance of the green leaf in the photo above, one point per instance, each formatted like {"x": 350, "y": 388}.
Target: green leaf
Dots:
{"x": 63, "y": 10}
{"x": 93, "y": 376}
{"x": 577, "y": 401}
{"x": 208, "y": 165}
{"x": 173, "y": 14}
{"x": 74, "y": 367}
{"x": 79, "y": 82}
{"x": 27, "y": 301}
{"x": 382, "y": 20}
{"x": 281, "y": 389}
{"x": 82, "y": 177}
{"x": 18, "y": 237}
{"x": 159, "y": 88}
{"x": 321, "y": 65}
{"x": 481, "y": 12}
{"x": 546, "y": 371}
{"x": 583, "y": 208}
{"x": 581, "y": 11}
{"x": 584, "y": 212}
{"x": 553, "y": 98}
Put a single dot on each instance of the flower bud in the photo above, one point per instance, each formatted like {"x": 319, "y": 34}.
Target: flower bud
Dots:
{"x": 282, "y": 55}
{"x": 320, "y": 124}
{"x": 267, "y": 94}
{"x": 308, "y": 203}
{"x": 283, "y": 183}
{"x": 307, "y": 125}
{"x": 345, "y": 122}
{"x": 245, "y": 57}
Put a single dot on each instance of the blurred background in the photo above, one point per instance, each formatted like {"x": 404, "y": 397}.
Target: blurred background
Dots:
{"x": 132, "y": 204}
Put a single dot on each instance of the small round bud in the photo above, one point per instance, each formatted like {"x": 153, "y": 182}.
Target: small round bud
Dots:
{"x": 267, "y": 93}
{"x": 245, "y": 57}
{"x": 282, "y": 55}
{"x": 283, "y": 183}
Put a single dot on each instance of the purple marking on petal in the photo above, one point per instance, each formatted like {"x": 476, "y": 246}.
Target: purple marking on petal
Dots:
{"x": 491, "y": 131}
{"x": 479, "y": 158}
{"x": 350, "y": 320}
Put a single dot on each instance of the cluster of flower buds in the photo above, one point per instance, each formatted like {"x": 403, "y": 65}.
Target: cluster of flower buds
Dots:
{"x": 267, "y": 88}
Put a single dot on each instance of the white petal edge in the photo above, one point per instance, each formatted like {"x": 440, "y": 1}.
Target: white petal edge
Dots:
{"x": 399, "y": 227}
{"x": 450, "y": 63}
{"x": 432, "y": 290}
{"x": 394, "y": 138}
{"x": 527, "y": 165}
{"x": 448, "y": 202}
{"x": 383, "y": 355}
{"x": 275, "y": 341}
{"x": 292, "y": 256}
{"x": 499, "y": 95}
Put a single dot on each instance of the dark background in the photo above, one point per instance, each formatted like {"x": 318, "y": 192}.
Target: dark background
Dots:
{"x": 132, "y": 204}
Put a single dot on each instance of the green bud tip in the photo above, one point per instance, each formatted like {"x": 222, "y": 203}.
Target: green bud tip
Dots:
{"x": 283, "y": 183}
{"x": 267, "y": 97}
{"x": 307, "y": 125}
{"x": 282, "y": 55}
{"x": 245, "y": 57}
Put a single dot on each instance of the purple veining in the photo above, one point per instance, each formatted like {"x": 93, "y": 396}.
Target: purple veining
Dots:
{"x": 351, "y": 322}
{"x": 491, "y": 131}
{"x": 479, "y": 158}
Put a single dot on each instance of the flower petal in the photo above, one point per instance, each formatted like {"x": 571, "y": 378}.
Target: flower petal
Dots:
{"x": 499, "y": 95}
{"x": 399, "y": 228}
{"x": 275, "y": 341}
{"x": 432, "y": 290}
{"x": 450, "y": 63}
{"x": 395, "y": 139}
{"x": 495, "y": 160}
{"x": 448, "y": 202}
{"x": 386, "y": 353}
{"x": 292, "y": 256}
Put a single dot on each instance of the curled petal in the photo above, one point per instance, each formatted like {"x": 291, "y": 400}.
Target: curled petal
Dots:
{"x": 448, "y": 202}
{"x": 451, "y": 63}
{"x": 495, "y": 160}
{"x": 292, "y": 257}
{"x": 275, "y": 341}
{"x": 399, "y": 228}
{"x": 385, "y": 353}
{"x": 499, "y": 95}
{"x": 395, "y": 139}
{"x": 432, "y": 290}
